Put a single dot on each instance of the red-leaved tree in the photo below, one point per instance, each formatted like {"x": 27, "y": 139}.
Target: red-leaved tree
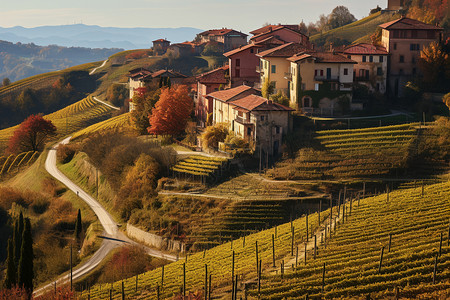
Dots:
{"x": 31, "y": 134}
{"x": 171, "y": 112}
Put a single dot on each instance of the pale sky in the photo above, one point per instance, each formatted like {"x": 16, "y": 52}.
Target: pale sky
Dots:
{"x": 244, "y": 15}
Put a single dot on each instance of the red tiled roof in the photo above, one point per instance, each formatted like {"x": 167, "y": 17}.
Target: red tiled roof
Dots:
{"x": 271, "y": 40}
{"x": 407, "y": 23}
{"x": 274, "y": 29}
{"x": 139, "y": 73}
{"x": 240, "y": 49}
{"x": 161, "y": 40}
{"x": 363, "y": 48}
{"x": 322, "y": 57}
{"x": 214, "y": 76}
{"x": 258, "y": 103}
{"x": 269, "y": 28}
{"x": 223, "y": 31}
{"x": 170, "y": 73}
{"x": 286, "y": 50}
{"x": 228, "y": 94}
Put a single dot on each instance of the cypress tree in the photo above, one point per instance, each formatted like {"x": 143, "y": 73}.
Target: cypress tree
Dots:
{"x": 160, "y": 82}
{"x": 11, "y": 275}
{"x": 17, "y": 238}
{"x": 168, "y": 82}
{"x": 78, "y": 227}
{"x": 25, "y": 272}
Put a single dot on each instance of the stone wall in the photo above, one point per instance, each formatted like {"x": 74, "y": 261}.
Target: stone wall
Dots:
{"x": 154, "y": 240}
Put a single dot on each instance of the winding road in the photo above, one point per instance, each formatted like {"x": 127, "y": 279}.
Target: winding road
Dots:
{"x": 112, "y": 236}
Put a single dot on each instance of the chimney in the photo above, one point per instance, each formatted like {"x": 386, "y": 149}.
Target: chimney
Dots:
{"x": 331, "y": 47}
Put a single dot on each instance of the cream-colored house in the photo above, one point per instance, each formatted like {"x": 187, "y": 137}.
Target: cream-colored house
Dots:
{"x": 320, "y": 82}
{"x": 274, "y": 66}
{"x": 252, "y": 117}
{"x": 371, "y": 69}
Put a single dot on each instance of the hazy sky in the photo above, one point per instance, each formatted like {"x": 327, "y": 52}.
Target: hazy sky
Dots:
{"x": 243, "y": 15}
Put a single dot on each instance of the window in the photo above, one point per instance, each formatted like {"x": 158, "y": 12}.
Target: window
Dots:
{"x": 345, "y": 71}
{"x": 277, "y": 130}
{"x": 321, "y": 72}
{"x": 274, "y": 84}
{"x": 316, "y": 87}
{"x": 402, "y": 59}
{"x": 395, "y": 46}
{"x": 274, "y": 68}
{"x": 315, "y": 72}
{"x": 371, "y": 58}
{"x": 238, "y": 62}
{"x": 381, "y": 58}
{"x": 378, "y": 87}
{"x": 262, "y": 118}
{"x": 379, "y": 71}
{"x": 306, "y": 102}
{"x": 251, "y": 50}
{"x": 364, "y": 58}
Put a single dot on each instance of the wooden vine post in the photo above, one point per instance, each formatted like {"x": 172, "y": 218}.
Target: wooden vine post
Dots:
{"x": 364, "y": 189}
{"x": 162, "y": 277}
{"x": 184, "y": 279}
{"x": 440, "y": 245}
{"x": 256, "y": 254}
{"x": 293, "y": 236}
{"x": 232, "y": 268}
{"x": 206, "y": 282}
{"x": 323, "y": 278}
{"x": 315, "y": 246}
{"x": 273, "y": 251}
{"x": 308, "y": 225}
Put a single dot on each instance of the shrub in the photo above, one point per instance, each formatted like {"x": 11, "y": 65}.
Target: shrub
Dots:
{"x": 40, "y": 205}
{"x": 214, "y": 134}
{"x": 8, "y": 196}
{"x": 65, "y": 153}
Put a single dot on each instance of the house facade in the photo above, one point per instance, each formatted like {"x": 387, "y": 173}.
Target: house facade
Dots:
{"x": 160, "y": 46}
{"x": 252, "y": 117}
{"x": 404, "y": 38}
{"x": 371, "y": 69}
{"x": 274, "y": 66}
{"x": 320, "y": 82}
{"x": 207, "y": 83}
{"x": 230, "y": 38}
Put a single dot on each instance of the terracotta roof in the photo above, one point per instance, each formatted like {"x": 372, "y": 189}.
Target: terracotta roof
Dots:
{"x": 363, "y": 48}
{"x": 240, "y": 49}
{"x": 275, "y": 29}
{"x": 161, "y": 40}
{"x": 214, "y": 76}
{"x": 223, "y": 31}
{"x": 270, "y": 40}
{"x": 139, "y": 73}
{"x": 322, "y": 57}
{"x": 169, "y": 73}
{"x": 269, "y": 28}
{"x": 407, "y": 23}
{"x": 258, "y": 103}
{"x": 286, "y": 50}
{"x": 228, "y": 94}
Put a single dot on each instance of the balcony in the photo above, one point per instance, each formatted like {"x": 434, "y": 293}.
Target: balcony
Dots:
{"x": 243, "y": 121}
{"x": 326, "y": 78}
{"x": 259, "y": 70}
{"x": 288, "y": 76}
{"x": 361, "y": 78}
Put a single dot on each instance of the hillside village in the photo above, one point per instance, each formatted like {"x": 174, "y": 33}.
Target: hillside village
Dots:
{"x": 294, "y": 162}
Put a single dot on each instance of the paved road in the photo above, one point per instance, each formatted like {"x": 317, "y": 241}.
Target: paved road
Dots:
{"x": 94, "y": 70}
{"x": 109, "y": 225}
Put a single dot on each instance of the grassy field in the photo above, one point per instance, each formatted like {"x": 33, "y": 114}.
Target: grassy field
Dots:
{"x": 69, "y": 119}
{"x": 351, "y": 255}
{"x": 356, "y": 30}
{"x": 355, "y": 153}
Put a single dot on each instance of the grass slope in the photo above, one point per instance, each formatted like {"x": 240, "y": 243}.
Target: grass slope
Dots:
{"x": 354, "y": 31}
{"x": 69, "y": 119}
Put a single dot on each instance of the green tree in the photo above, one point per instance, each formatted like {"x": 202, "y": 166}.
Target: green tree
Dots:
{"x": 435, "y": 65}
{"x": 143, "y": 100}
{"x": 214, "y": 134}
{"x": 340, "y": 16}
{"x": 116, "y": 94}
{"x": 11, "y": 275}
{"x": 78, "y": 228}
{"x": 267, "y": 88}
{"x": 25, "y": 269}
{"x": 280, "y": 98}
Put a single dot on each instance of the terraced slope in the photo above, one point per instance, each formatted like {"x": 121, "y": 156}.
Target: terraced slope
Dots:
{"x": 121, "y": 122}
{"x": 352, "y": 256}
{"x": 69, "y": 119}
{"x": 359, "y": 153}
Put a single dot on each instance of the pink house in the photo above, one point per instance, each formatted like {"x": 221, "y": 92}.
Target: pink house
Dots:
{"x": 207, "y": 83}
{"x": 243, "y": 61}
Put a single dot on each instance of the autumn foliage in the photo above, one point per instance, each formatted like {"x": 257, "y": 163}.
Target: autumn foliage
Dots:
{"x": 171, "y": 112}
{"x": 429, "y": 11}
{"x": 31, "y": 134}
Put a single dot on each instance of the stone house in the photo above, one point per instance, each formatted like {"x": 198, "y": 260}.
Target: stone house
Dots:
{"x": 160, "y": 46}
{"x": 230, "y": 38}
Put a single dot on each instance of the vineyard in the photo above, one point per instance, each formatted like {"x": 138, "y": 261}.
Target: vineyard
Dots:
{"x": 381, "y": 245}
{"x": 200, "y": 166}
{"x": 13, "y": 162}
{"x": 69, "y": 119}
{"x": 121, "y": 122}
{"x": 370, "y": 152}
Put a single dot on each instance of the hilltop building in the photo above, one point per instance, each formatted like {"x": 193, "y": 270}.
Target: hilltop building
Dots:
{"x": 259, "y": 121}
{"x": 320, "y": 82}
{"x": 230, "y": 38}
{"x": 160, "y": 46}
{"x": 371, "y": 68}
{"x": 395, "y": 5}
{"x": 404, "y": 38}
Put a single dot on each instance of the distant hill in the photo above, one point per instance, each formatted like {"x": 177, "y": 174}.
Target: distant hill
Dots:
{"x": 357, "y": 31}
{"x": 93, "y": 36}
{"x": 18, "y": 61}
